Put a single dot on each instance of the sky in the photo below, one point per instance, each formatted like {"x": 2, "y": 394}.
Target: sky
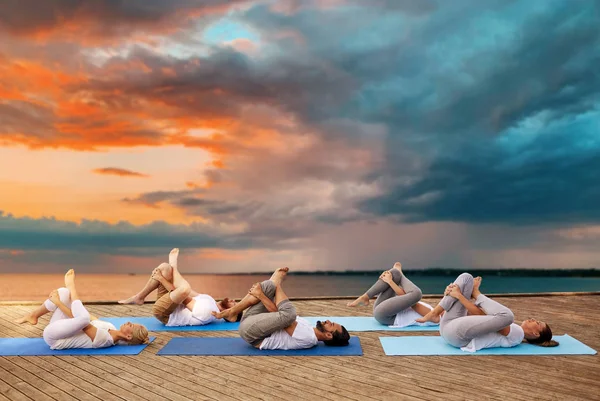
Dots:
{"x": 316, "y": 134}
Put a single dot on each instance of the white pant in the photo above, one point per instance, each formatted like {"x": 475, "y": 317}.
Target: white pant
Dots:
{"x": 62, "y": 326}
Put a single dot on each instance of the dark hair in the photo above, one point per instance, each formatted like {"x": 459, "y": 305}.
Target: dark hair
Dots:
{"x": 340, "y": 338}
{"x": 544, "y": 339}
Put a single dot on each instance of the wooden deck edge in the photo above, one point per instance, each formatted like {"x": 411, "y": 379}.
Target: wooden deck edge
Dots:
{"x": 325, "y": 298}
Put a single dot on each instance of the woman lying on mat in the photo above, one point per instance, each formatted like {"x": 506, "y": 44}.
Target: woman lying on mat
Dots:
{"x": 398, "y": 299}
{"x": 72, "y": 326}
{"x": 489, "y": 323}
{"x": 177, "y": 304}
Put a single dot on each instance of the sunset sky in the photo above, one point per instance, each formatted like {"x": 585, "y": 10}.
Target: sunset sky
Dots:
{"x": 317, "y": 134}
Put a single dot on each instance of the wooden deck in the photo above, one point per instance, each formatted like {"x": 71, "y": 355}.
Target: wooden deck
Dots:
{"x": 372, "y": 376}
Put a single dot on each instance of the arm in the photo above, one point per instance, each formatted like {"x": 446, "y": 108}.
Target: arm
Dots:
{"x": 268, "y": 303}
{"x": 470, "y": 306}
{"x": 454, "y": 291}
{"x": 397, "y": 289}
{"x": 387, "y": 278}
{"x": 256, "y": 291}
{"x": 166, "y": 283}
{"x": 63, "y": 308}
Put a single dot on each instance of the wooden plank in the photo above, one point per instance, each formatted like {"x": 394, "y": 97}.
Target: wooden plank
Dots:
{"x": 70, "y": 375}
{"x": 57, "y": 381}
{"x": 10, "y": 392}
{"x": 21, "y": 383}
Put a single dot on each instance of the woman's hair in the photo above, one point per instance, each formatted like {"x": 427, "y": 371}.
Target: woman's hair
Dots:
{"x": 544, "y": 339}
{"x": 139, "y": 335}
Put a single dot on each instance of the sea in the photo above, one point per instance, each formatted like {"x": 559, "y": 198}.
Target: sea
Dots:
{"x": 113, "y": 287}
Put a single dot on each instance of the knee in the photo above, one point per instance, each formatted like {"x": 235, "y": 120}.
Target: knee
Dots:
{"x": 65, "y": 295}
{"x": 464, "y": 277}
{"x": 268, "y": 288}
{"x": 507, "y": 317}
{"x": 166, "y": 270}
{"x": 287, "y": 312}
{"x": 416, "y": 295}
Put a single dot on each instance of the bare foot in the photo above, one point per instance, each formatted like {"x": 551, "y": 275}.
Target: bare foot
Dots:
{"x": 279, "y": 274}
{"x": 70, "y": 279}
{"x": 173, "y": 255}
{"x": 398, "y": 266}
{"x": 476, "y": 284}
{"x": 430, "y": 317}
{"x": 226, "y": 314}
{"x": 27, "y": 319}
{"x": 363, "y": 300}
{"x": 134, "y": 300}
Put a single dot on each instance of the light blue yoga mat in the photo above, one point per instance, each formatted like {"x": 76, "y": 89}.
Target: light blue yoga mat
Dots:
{"x": 38, "y": 347}
{"x": 153, "y": 324}
{"x": 235, "y": 346}
{"x": 435, "y": 345}
{"x": 367, "y": 323}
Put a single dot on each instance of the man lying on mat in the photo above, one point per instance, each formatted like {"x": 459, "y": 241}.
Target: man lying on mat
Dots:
{"x": 271, "y": 322}
{"x": 176, "y": 303}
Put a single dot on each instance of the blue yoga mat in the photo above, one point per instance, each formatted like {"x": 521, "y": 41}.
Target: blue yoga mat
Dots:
{"x": 237, "y": 346}
{"x": 435, "y": 345}
{"x": 367, "y": 323}
{"x": 153, "y": 324}
{"x": 38, "y": 347}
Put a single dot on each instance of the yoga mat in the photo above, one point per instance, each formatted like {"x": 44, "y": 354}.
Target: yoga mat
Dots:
{"x": 367, "y": 323}
{"x": 153, "y": 324}
{"x": 435, "y": 345}
{"x": 38, "y": 347}
{"x": 236, "y": 346}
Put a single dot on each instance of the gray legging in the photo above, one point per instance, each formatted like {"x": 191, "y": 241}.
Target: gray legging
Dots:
{"x": 258, "y": 323}
{"x": 458, "y": 329}
{"x": 389, "y": 304}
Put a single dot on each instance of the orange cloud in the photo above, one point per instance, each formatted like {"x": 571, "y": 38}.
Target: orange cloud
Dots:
{"x": 118, "y": 172}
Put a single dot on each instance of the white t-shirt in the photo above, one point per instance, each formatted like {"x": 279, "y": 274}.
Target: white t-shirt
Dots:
{"x": 408, "y": 317}
{"x": 491, "y": 340}
{"x": 304, "y": 337}
{"x": 201, "y": 315}
{"x": 103, "y": 338}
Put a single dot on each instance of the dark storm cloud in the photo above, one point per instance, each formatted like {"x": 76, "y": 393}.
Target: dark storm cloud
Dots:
{"x": 52, "y": 234}
{"x": 552, "y": 180}
{"x": 99, "y": 17}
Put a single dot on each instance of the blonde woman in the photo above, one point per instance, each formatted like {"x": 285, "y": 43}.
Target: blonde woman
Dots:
{"x": 72, "y": 326}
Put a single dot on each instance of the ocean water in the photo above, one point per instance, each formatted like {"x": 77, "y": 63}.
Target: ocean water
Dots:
{"x": 111, "y": 287}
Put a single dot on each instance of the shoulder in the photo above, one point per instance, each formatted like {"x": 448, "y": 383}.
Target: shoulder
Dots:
{"x": 516, "y": 333}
